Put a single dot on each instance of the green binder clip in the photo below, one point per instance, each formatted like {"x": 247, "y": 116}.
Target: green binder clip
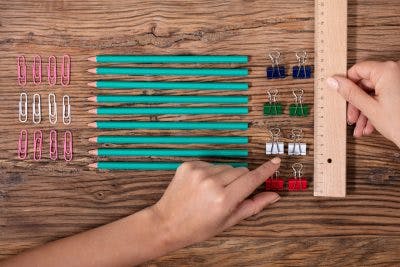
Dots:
{"x": 272, "y": 108}
{"x": 298, "y": 109}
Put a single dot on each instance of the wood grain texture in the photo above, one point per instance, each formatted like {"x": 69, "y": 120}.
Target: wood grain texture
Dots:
{"x": 43, "y": 201}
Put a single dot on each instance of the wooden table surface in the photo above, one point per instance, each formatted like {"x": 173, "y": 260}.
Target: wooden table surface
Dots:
{"x": 45, "y": 200}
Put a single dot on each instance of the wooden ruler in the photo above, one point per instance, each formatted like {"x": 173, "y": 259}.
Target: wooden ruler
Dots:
{"x": 330, "y": 108}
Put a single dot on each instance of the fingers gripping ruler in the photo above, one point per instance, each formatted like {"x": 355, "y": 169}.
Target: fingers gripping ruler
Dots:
{"x": 330, "y": 108}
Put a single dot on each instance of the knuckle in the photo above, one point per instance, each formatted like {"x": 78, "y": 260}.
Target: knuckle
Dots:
{"x": 198, "y": 174}
{"x": 186, "y": 167}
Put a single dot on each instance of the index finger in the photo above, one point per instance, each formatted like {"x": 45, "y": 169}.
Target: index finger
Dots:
{"x": 366, "y": 70}
{"x": 243, "y": 186}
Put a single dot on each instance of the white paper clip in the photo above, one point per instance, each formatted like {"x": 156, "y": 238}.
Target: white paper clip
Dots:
{"x": 66, "y": 110}
{"x": 296, "y": 148}
{"x": 36, "y": 109}
{"x": 274, "y": 147}
{"x": 52, "y": 109}
{"x": 23, "y": 108}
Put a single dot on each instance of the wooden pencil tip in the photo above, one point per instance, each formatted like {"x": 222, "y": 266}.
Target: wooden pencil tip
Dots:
{"x": 92, "y": 59}
{"x": 92, "y": 98}
{"x": 93, "y": 111}
{"x": 92, "y": 124}
{"x": 93, "y": 165}
{"x": 94, "y": 70}
{"x": 93, "y": 139}
{"x": 92, "y": 84}
{"x": 93, "y": 152}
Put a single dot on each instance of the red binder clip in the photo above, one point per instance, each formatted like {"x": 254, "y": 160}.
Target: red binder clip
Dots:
{"x": 65, "y": 70}
{"x": 52, "y": 70}
{"x": 274, "y": 183}
{"x": 297, "y": 183}
{"x": 68, "y": 148}
{"x": 37, "y": 144}
{"x": 53, "y": 145}
{"x": 23, "y": 144}
{"x": 37, "y": 70}
{"x": 21, "y": 70}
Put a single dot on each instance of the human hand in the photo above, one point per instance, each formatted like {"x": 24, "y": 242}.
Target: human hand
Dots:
{"x": 373, "y": 92}
{"x": 204, "y": 199}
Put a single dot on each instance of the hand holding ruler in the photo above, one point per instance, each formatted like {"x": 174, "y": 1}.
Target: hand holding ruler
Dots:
{"x": 330, "y": 107}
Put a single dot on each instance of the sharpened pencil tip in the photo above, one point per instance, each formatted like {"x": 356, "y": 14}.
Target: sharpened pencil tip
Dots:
{"x": 92, "y": 98}
{"x": 92, "y": 84}
{"x": 92, "y": 59}
{"x": 93, "y": 111}
{"x": 94, "y": 70}
{"x": 93, "y": 139}
{"x": 92, "y": 124}
{"x": 92, "y": 165}
{"x": 93, "y": 152}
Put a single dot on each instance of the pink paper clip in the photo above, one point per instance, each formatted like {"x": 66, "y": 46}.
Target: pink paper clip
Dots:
{"x": 52, "y": 70}
{"x": 68, "y": 149}
{"x": 37, "y": 70}
{"x": 37, "y": 144}
{"x": 23, "y": 144}
{"x": 66, "y": 70}
{"x": 21, "y": 70}
{"x": 53, "y": 145}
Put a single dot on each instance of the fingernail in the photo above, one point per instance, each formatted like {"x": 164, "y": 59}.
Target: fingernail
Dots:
{"x": 350, "y": 123}
{"x": 275, "y": 199}
{"x": 276, "y": 160}
{"x": 333, "y": 83}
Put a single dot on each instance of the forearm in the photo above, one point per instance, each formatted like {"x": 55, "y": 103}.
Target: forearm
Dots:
{"x": 126, "y": 242}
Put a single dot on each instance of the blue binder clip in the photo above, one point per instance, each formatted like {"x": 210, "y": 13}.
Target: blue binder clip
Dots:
{"x": 275, "y": 71}
{"x": 302, "y": 71}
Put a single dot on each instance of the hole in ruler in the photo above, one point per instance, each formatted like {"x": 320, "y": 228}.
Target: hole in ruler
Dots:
{"x": 329, "y": 160}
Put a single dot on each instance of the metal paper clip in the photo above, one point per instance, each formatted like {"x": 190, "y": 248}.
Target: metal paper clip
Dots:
{"x": 52, "y": 70}
{"x": 274, "y": 147}
{"x": 37, "y": 144}
{"x": 297, "y": 183}
{"x": 53, "y": 145}
{"x": 23, "y": 108}
{"x": 21, "y": 70}
{"x": 52, "y": 109}
{"x": 23, "y": 144}
{"x": 275, "y": 71}
{"x": 36, "y": 109}
{"x": 37, "y": 69}
{"x": 274, "y": 183}
{"x": 301, "y": 71}
{"x": 66, "y": 70}
{"x": 66, "y": 110}
{"x": 297, "y": 148}
{"x": 298, "y": 108}
{"x": 68, "y": 146}
{"x": 272, "y": 107}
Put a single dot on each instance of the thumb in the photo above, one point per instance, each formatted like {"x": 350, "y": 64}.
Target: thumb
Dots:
{"x": 352, "y": 93}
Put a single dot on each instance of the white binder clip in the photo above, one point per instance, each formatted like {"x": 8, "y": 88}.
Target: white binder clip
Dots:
{"x": 296, "y": 148}
{"x": 274, "y": 147}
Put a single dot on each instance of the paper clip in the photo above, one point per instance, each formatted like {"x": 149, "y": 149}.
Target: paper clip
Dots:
{"x": 66, "y": 70}
{"x": 68, "y": 146}
{"x": 66, "y": 110}
{"x": 274, "y": 147}
{"x": 296, "y": 148}
{"x": 37, "y": 70}
{"x": 21, "y": 70}
{"x": 36, "y": 109}
{"x": 297, "y": 183}
{"x": 272, "y": 107}
{"x": 23, "y": 108}
{"x": 274, "y": 183}
{"x": 301, "y": 71}
{"x": 23, "y": 144}
{"x": 275, "y": 71}
{"x": 298, "y": 109}
{"x": 52, "y": 70}
{"x": 37, "y": 144}
{"x": 53, "y": 145}
{"x": 52, "y": 109}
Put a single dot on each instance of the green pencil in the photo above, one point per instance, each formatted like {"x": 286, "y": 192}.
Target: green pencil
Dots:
{"x": 168, "y": 59}
{"x": 113, "y": 84}
{"x": 169, "y": 110}
{"x": 169, "y": 71}
{"x": 118, "y": 139}
{"x": 184, "y": 99}
{"x": 166, "y": 152}
{"x": 169, "y": 125}
{"x": 149, "y": 165}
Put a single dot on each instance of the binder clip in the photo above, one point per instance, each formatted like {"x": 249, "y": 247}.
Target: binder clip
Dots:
{"x": 36, "y": 109}
{"x": 66, "y": 110}
{"x": 274, "y": 147}
{"x": 21, "y": 70}
{"x": 272, "y": 108}
{"x": 37, "y": 144}
{"x": 23, "y": 108}
{"x": 53, "y": 145}
{"x": 37, "y": 70}
{"x": 296, "y": 148}
{"x": 274, "y": 183}
{"x": 298, "y": 109}
{"x": 275, "y": 71}
{"x": 23, "y": 144}
{"x": 297, "y": 183}
{"x": 52, "y": 109}
{"x": 301, "y": 71}
{"x": 66, "y": 70}
{"x": 68, "y": 146}
{"x": 52, "y": 71}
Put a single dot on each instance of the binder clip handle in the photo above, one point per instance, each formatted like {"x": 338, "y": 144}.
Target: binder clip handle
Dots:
{"x": 297, "y": 170}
